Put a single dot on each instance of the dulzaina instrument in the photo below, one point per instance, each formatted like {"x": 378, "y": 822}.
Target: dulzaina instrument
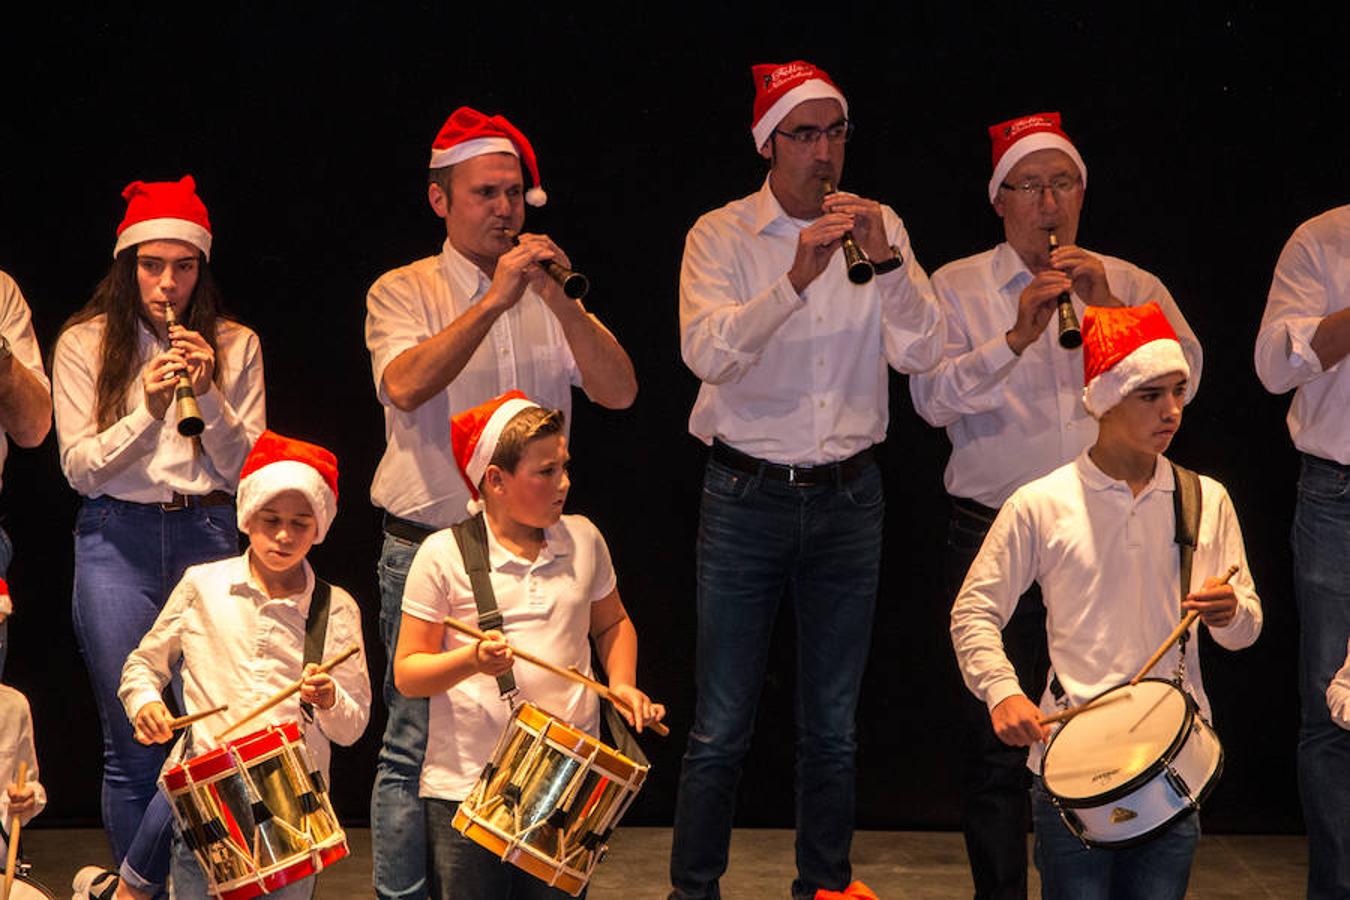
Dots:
{"x": 1070, "y": 335}
{"x": 857, "y": 264}
{"x": 574, "y": 284}
{"x": 190, "y": 423}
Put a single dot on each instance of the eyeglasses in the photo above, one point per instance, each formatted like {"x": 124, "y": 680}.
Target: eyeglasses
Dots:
{"x": 838, "y": 133}
{"x": 1032, "y": 189}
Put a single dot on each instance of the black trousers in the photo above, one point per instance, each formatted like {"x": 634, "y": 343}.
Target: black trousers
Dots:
{"x": 996, "y": 806}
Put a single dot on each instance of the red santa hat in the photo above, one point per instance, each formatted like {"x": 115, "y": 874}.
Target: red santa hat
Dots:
{"x": 277, "y": 464}
{"x": 1016, "y": 138}
{"x": 6, "y": 605}
{"x": 781, "y": 86}
{"x": 164, "y": 210}
{"x": 1124, "y": 347}
{"x": 475, "y": 432}
{"x": 469, "y": 133}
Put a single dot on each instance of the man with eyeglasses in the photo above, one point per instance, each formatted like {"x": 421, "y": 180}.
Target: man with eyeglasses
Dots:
{"x": 1301, "y": 346}
{"x": 793, "y": 359}
{"x": 1010, "y": 398}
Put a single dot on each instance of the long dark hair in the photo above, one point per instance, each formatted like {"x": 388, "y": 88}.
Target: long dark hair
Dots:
{"x": 118, "y": 299}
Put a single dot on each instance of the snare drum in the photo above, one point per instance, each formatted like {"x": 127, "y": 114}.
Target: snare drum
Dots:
{"x": 26, "y": 888}
{"x": 255, "y": 813}
{"x": 549, "y": 799}
{"x": 1125, "y": 772}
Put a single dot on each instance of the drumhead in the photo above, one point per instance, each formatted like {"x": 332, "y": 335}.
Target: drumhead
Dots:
{"x": 1103, "y": 750}
{"x": 26, "y": 888}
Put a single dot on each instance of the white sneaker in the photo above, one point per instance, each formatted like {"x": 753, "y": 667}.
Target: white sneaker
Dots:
{"x": 94, "y": 883}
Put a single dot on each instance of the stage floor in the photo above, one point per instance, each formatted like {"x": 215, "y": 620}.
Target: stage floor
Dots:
{"x": 895, "y": 864}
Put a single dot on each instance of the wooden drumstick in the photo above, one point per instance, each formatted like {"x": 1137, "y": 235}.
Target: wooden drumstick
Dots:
{"x": 1181, "y": 629}
{"x": 571, "y": 674}
{"x": 290, "y": 689}
{"x": 14, "y": 825}
{"x": 1067, "y": 714}
{"x": 185, "y": 721}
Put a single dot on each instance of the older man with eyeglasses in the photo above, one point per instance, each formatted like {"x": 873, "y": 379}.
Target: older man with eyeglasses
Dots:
{"x": 793, "y": 358}
{"x": 1010, "y": 398}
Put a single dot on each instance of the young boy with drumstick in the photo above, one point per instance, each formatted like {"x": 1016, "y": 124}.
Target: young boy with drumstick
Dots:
{"x": 1099, "y": 536}
{"x": 554, "y": 586}
{"x": 239, "y": 628}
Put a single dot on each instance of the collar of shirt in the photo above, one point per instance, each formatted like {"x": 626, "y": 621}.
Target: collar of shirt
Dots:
{"x": 1095, "y": 479}
{"x": 467, "y": 279}
{"x": 768, "y": 215}
{"x": 1010, "y": 272}
{"x": 243, "y": 584}
{"x": 557, "y": 544}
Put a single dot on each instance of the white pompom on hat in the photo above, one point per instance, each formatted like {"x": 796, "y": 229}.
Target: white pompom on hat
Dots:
{"x": 164, "y": 210}
{"x": 1124, "y": 347}
{"x": 468, "y": 133}
{"x": 474, "y": 434}
{"x": 1018, "y": 137}
{"x": 277, "y": 464}
{"x": 779, "y": 87}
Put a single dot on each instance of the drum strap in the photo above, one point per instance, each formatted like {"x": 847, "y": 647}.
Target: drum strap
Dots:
{"x": 1186, "y": 502}
{"x": 471, "y": 535}
{"x": 316, "y": 631}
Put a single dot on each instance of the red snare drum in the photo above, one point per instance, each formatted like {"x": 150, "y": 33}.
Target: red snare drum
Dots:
{"x": 255, "y": 813}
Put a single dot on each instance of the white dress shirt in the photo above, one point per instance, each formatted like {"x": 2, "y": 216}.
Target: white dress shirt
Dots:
{"x": 787, "y": 378}
{"x": 546, "y": 610}
{"x": 239, "y": 647}
{"x": 16, "y": 324}
{"x": 525, "y": 349}
{"x": 1012, "y": 419}
{"x": 1108, "y": 567}
{"x": 1312, "y": 280}
{"x": 16, "y": 745}
{"x": 143, "y": 459}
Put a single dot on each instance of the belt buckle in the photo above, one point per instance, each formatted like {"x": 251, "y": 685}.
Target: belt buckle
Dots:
{"x": 176, "y": 502}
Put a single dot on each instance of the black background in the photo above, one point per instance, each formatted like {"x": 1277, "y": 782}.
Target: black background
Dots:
{"x": 1209, "y": 135}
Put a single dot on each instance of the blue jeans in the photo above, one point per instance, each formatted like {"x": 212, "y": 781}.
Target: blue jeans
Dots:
{"x": 146, "y": 865}
{"x": 6, "y": 556}
{"x": 462, "y": 869}
{"x": 128, "y": 558}
{"x": 1321, "y": 540}
{"x": 1158, "y": 869}
{"x": 398, "y": 830}
{"x": 757, "y": 540}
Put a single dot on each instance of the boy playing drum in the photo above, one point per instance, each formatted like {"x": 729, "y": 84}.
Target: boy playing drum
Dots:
{"x": 555, "y": 588}
{"x": 239, "y": 628}
{"x": 1098, "y": 535}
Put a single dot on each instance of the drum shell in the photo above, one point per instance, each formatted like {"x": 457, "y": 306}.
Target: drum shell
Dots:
{"x": 296, "y": 836}
{"x": 540, "y": 798}
{"x": 1173, "y": 785}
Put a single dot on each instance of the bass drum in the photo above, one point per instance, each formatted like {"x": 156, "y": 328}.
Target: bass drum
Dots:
{"x": 1123, "y": 772}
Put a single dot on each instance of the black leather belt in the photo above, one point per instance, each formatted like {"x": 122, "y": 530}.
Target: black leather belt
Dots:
{"x": 406, "y": 529}
{"x": 190, "y": 501}
{"x": 802, "y": 476}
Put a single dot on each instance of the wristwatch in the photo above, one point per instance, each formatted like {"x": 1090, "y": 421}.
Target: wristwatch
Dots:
{"x": 889, "y": 265}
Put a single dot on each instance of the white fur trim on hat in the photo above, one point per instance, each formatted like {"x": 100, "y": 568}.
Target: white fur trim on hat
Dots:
{"x": 469, "y": 149}
{"x": 1146, "y": 362}
{"x": 166, "y": 229}
{"x": 1039, "y": 140}
{"x": 287, "y": 475}
{"x": 492, "y": 433}
{"x": 813, "y": 89}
